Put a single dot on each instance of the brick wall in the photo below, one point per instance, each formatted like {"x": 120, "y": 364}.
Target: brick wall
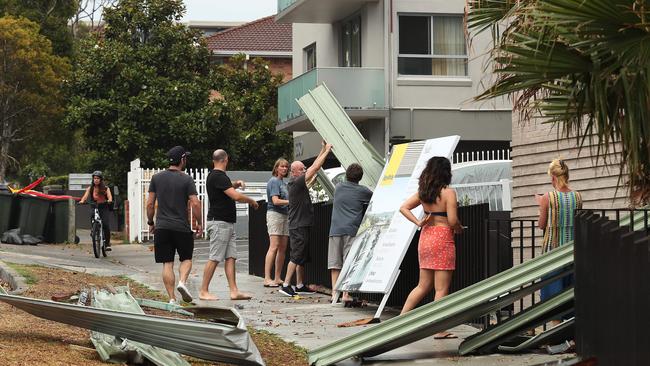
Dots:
{"x": 281, "y": 65}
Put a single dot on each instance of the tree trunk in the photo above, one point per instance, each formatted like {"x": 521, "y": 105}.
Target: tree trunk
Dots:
{"x": 5, "y": 141}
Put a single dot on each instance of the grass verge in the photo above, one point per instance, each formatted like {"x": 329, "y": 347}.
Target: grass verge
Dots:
{"x": 25, "y": 272}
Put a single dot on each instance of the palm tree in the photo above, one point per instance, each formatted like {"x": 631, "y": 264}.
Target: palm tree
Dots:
{"x": 584, "y": 64}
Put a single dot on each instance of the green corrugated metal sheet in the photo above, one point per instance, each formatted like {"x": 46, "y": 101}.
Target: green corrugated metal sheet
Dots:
{"x": 114, "y": 349}
{"x": 531, "y": 317}
{"x": 553, "y": 335}
{"x": 336, "y": 127}
{"x": 449, "y": 311}
{"x": 454, "y": 309}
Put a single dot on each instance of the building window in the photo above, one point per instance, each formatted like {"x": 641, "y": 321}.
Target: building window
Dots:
{"x": 309, "y": 54}
{"x": 351, "y": 43}
{"x": 432, "y": 45}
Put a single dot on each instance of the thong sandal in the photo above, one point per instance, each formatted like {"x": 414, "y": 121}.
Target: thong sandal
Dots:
{"x": 271, "y": 285}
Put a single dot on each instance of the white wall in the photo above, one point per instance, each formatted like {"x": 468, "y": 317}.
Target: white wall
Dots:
{"x": 326, "y": 39}
{"x": 372, "y": 35}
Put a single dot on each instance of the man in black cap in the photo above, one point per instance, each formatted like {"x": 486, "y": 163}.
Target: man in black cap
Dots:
{"x": 173, "y": 189}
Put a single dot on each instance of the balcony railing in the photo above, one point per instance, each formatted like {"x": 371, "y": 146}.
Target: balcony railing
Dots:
{"x": 283, "y": 4}
{"x": 357, "y": 88}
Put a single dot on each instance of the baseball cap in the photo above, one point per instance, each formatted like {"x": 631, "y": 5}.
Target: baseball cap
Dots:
{"x": 176, "y": 153}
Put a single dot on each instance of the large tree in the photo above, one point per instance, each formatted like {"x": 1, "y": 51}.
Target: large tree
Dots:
{"x": 248, "y": 102}
{"x": 52, "y": 16}
{"x": 582, "y": 64}
{"x": 143, "y": 86}
{"x": 31, "y": 78}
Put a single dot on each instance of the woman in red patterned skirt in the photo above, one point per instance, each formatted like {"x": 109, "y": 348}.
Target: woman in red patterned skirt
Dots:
{"x": 436, "y": 248}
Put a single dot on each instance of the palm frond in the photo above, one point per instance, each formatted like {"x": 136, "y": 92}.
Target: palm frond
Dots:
{"x": 583, "y": 64}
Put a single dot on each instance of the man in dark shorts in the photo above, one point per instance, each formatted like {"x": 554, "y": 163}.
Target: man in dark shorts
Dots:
{"x": 301, "y": 218}
{"x": 220, "y": 227}
{"x": 173, "y": 189}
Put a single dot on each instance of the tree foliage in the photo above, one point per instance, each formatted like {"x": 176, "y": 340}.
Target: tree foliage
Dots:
{"x": 30, "y": 86}
{"x": 142, "y": 87}
{"x": 145, "y": 85}
{"x": 52, "y": 17}
{"x": 584, "y": 64}
{"x": 249, "y": 92}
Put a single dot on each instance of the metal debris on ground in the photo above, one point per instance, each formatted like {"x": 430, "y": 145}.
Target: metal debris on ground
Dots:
{"x": 206, "y": 340}
{"x": 115, "y": 349}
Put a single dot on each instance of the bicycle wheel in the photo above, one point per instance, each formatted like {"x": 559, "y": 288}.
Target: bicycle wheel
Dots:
{"x": 96, "y": 235}
{"x": 103, "y": 244}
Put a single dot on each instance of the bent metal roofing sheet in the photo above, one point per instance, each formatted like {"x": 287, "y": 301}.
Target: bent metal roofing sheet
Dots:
{"x": 209, "y": 341}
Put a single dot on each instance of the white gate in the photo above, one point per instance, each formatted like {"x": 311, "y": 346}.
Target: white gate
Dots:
{"x": 138, "y": 186}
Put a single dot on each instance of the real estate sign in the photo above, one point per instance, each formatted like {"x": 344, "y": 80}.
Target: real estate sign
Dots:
{"x": 384, "y": 235}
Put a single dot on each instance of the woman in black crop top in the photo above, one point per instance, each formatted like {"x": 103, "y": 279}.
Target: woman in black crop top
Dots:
{"x": 436, "y": 248}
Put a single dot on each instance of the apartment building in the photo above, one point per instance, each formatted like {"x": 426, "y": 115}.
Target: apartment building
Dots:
{"x": 403, "y": 70}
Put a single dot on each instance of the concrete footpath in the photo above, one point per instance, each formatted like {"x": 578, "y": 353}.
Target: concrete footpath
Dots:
{"x": 310, "y": 322}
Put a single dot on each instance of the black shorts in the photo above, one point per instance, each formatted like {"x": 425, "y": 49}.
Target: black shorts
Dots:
{"x": 298, "y": 247}
{"x": 168, "y": 242}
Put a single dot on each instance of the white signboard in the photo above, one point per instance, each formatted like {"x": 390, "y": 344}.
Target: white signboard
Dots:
{"x": 384, "y": 234}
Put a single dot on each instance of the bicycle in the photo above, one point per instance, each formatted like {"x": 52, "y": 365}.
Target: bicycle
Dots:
{"x": 97, "y": 232}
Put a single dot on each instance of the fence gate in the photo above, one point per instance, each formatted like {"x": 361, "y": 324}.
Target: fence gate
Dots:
{"x": 138, "y": 186}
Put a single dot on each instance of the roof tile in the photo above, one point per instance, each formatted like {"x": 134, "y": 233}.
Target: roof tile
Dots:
{"x": 259, "y": 35}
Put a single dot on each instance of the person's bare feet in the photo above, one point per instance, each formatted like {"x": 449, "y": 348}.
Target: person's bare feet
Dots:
{"x": 207, "y": 296}
{"x": 240, "y": 296}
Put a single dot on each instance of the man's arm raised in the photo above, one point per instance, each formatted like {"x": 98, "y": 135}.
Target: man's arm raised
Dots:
{"x": 318, "y": 163}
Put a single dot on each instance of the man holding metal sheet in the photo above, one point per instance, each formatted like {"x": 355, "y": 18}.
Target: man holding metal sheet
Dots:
{"x": 301, "y": 218}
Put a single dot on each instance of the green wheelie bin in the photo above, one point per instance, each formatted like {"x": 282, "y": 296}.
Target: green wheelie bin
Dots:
{"x": 6, "y": 205}
{"x": 58, "y": 226}
{"x": 34, "y": 212}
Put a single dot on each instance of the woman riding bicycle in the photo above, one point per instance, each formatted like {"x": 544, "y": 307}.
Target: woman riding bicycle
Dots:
{"x": 99, "y": 193}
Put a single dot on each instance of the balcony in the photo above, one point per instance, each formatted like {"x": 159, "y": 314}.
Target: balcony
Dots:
{"x": 317, "y": 11}
{"x": 360, "y": 90}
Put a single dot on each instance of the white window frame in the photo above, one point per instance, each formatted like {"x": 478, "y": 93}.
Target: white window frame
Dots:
{"x": 305, "y": 52}
{"x": 431, "y": 56}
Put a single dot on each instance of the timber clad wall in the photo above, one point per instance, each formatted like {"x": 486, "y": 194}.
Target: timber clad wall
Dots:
{"x": 534, "y": 145}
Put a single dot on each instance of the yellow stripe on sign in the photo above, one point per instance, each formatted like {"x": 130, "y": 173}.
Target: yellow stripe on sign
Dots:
{"x": 393, "y": 164}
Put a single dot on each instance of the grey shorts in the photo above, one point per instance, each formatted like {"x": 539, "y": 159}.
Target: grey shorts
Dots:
{"x": 222, "y": 240}
{"x": 277, "y": 223}
{"x": 337, "y": 250}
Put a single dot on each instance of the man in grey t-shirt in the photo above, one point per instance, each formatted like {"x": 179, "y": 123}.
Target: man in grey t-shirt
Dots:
{"x": 301, "y": 218}
{"x": 173, "y": 189}
{"x": 347, "y": 214}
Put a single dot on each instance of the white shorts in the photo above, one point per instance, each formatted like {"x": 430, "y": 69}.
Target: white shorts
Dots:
{"x": 277, "y": 223}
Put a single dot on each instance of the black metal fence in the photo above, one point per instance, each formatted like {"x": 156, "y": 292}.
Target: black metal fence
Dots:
{"x": 476, "y": 258}
{"x": 516, "y": 241}
{"x": 612, "y": 290}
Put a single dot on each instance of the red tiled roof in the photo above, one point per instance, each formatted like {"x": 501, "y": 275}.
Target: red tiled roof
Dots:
{"x": 259, "y": 35}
